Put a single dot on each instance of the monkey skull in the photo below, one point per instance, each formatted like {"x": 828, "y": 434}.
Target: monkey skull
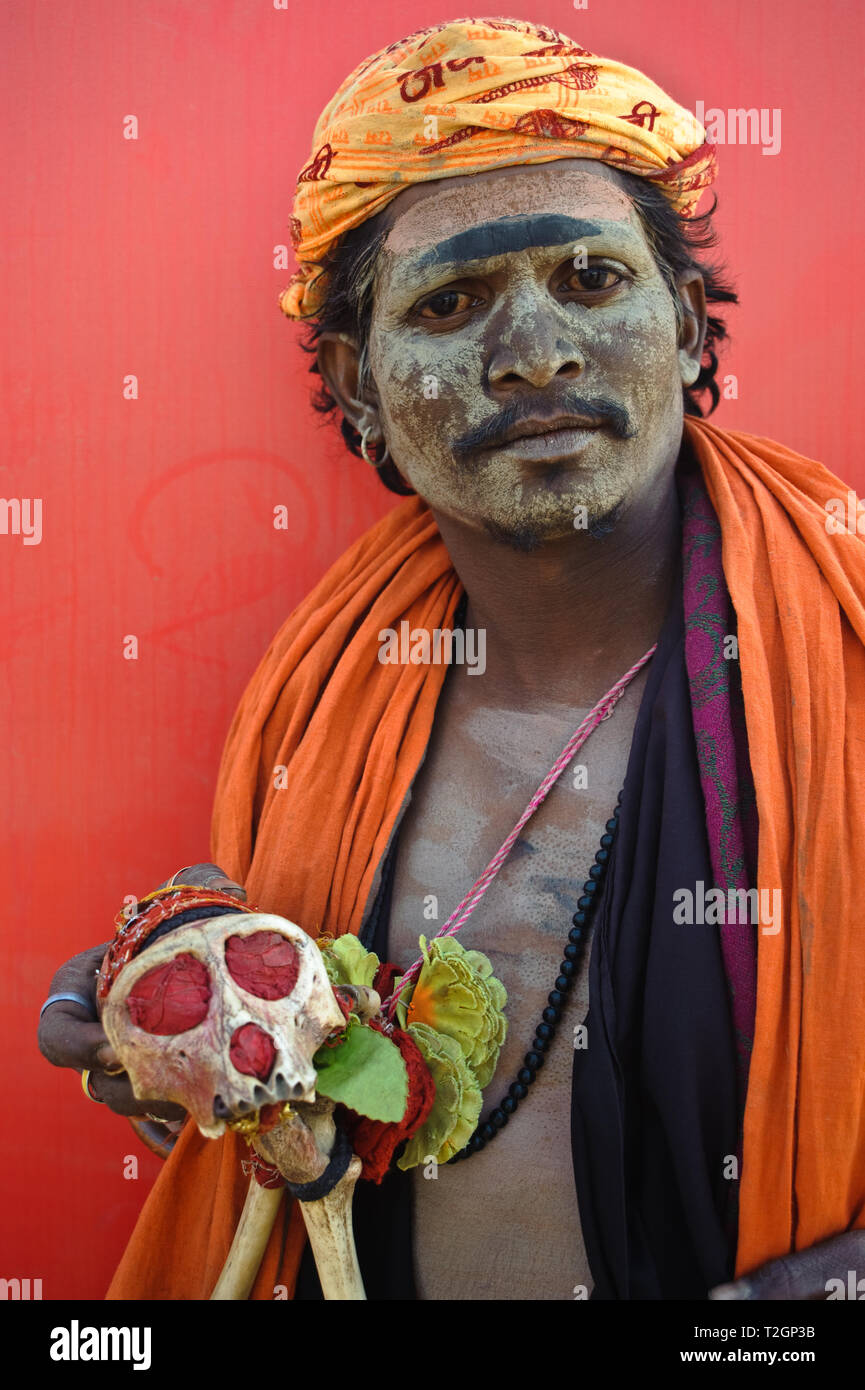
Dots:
{"x": 223, "y": 1016}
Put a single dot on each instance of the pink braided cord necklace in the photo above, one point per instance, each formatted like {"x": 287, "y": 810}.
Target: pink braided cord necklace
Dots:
{"x": 461, "y": 913}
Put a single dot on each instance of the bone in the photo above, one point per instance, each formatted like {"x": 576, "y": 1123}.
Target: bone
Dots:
{"x": 367, "y": 1002}
{"x": 194, "y": 1068}
{"x": 300, "y": 1148}
{"x": 300, "y": 1151}
{"x": 301, "y": 1145}
{"x": 250, "y": 1242}
{"x": 331, "y": 1235}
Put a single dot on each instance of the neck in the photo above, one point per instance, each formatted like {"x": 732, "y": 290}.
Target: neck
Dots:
{"x": 565, "y": 621}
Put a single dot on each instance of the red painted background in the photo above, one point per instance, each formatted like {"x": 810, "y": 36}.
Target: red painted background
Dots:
{"x": 154, "y": 257}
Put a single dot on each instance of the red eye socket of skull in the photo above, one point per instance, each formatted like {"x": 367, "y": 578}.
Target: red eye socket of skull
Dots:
{"x": 265, "y": 964}
{"x": 171, "y": 998}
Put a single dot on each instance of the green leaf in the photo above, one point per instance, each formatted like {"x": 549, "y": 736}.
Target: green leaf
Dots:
{"x": 366, "y": 1073}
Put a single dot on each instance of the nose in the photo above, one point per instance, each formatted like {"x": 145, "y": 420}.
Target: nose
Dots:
{"x": 534, "y": 343}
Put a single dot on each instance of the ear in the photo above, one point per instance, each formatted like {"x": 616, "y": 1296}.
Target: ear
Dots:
{"x": 338, "y": 361}
{"x": 692, "y": 294}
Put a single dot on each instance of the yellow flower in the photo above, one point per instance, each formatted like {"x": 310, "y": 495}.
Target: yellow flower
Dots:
{"x": 457, "y": 994}
{"x": 457, "y": 1105}
{"x": 348, "y": 963}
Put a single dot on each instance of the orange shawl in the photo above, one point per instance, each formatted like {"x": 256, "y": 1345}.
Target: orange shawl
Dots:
{"x": 352, "y": 733}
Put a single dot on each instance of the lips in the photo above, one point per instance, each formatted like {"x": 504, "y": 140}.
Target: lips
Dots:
{"x": 531, "y": 428}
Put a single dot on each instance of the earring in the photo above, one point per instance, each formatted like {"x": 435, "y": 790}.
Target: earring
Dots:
{"x": 376, "y": 463}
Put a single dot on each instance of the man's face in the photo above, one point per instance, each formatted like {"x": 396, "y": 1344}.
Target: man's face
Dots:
{"x": 481, "y": 318}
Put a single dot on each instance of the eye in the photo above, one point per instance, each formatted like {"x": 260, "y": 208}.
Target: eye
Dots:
{"x": 592, "y": 278}
{"x": 445, "y": 303}
{"x": 265, "y": 964}
{"x": 171, "y": 998}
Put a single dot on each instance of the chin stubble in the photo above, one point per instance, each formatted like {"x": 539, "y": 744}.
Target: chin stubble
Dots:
{"x": 526, "y": 537}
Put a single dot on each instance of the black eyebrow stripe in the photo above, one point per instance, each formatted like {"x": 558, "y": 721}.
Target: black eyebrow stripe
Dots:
{"x": 507, "y": 234}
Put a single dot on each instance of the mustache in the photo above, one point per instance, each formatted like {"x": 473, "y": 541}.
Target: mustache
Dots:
{"x": 491, "y": 434}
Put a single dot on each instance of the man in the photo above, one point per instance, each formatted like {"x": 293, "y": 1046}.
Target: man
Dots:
{"x": 480, "y": 233}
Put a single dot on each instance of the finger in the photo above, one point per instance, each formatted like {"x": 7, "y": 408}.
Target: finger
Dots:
{"x": 69, "y": 1038}
{"x": 804, "y": 1275}
{"x": 157, "y": 1137}
{"x": 208, "y": 876}
{"x": 79, "y": 973}
{"x": 116, "y": 1092}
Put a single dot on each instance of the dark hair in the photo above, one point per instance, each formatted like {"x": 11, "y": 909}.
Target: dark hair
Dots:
{"x": 676, "y": 243}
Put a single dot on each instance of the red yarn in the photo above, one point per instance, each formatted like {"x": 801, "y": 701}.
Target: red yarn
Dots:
{"x": 172, "y": 997}
{"x": 265, "y": 1174}
{"x": 251, "y": 1051}
{"x": 265, "y": 964}
{"x": 385, "y": 976}
{"x": 269, "y": 1116}
{"x": 374, "y": 1141}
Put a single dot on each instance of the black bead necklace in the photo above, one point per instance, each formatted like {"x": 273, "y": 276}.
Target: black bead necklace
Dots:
{"x": 557, "y": 998}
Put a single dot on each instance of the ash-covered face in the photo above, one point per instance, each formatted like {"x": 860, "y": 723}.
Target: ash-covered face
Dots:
{"x": 486, "y": 312}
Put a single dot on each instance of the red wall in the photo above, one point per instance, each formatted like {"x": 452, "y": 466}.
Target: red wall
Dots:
{"x": 154, "y": 257}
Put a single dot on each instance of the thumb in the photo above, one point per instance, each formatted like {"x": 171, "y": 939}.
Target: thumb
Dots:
{"x": 107, "y": 1057}
{"x": 227, "y": 885}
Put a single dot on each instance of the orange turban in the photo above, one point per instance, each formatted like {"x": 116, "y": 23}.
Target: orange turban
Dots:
{"x": 479, "y": 94}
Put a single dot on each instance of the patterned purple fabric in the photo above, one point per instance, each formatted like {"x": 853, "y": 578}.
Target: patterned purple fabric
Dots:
{"x": 711, "y": 657}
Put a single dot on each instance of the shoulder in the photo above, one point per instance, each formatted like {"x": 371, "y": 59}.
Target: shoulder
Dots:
{"x": 755, "y": 469}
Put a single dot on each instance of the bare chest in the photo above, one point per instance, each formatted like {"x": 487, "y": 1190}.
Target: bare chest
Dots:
{"x": 505, "y": 1223}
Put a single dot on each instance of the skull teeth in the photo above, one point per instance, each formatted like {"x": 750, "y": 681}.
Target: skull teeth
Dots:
{"x": 284, "y": 1091}
{"x": 281, "y": 1090}
{"x": 238, "y": 1108}
{"x": 278, "y": 1091}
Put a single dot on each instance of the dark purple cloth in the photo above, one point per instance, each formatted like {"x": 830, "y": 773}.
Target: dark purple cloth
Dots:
{"x": 659, "y": 1093}
{"x": 718, "y": 711}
